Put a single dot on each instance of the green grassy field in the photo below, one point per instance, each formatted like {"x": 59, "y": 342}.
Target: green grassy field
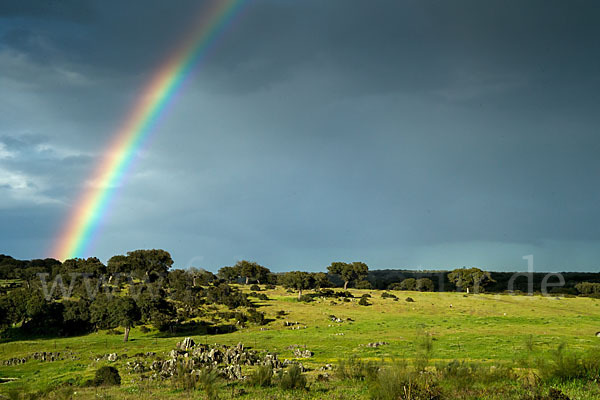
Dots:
{"x": 485, "y": 329}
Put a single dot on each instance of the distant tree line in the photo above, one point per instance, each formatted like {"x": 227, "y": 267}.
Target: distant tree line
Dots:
{"x": 142, "y": 287}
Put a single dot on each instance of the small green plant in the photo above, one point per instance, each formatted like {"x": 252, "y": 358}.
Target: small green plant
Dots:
{"x": 262, "y": 377}
{"x": 363, "y": 302}
{"x": 355, "y": 369}
{"x": 562, "y": 366}
{"x": 292, "y": 379}
{"x": 183, "y": 378}
{"x": 424, "y": 345}
{"x": 107, "y": 376}
{"x": 397, "y": 381}
{"x": 208, "y": 381}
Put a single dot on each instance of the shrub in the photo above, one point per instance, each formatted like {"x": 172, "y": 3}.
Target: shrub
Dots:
{"x": 366, "y": 295}
{"x": 260, "y": 296}
{"x": 424, "y": 345}
{"x": 464, "y": 375}
{"x": 562, "y": 366}
{"x": 306, "y": 298}
{"x": 183, "y": 378}
{"x": 226, "y": 295}
{"x": 270, "y": 287}
{"x": 256, "y": 317}
{"x": 397, "y": 382}
{"x": 387, "y": 295}
{"x": 408, "y": 284}
{"x": 107, "y": 376}
{"x": 255, "y": 288}
{"x": 325, "y": 292}
{"x": 363, "y": 285}
{"x": 355, "y": 369}
{"x": 262, "y": 376}
{"x": 161, "y": 321}
{"x": 424, "y": 285}
{"x": 588, "y": 288}
{"x": 410, "y": 300}
{"x": 395, "y": 286}
{"x": 208, "y": 379}
{"x": 363, "y": 302}
{"x": 292, "y": 379}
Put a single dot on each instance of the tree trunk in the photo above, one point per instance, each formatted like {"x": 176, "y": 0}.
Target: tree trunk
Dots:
{"x": 127, "y": 329}
{"x": 345, "y": 285}
{"x": 299, "y": 294}
{"x": 247, "y": 280}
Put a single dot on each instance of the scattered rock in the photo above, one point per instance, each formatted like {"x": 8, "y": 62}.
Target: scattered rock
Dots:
{"x": 186, "y": 344}
{"x": 376, "y": 344}
{"x": 303, "y": 353}
{"x": 326, "y": 367}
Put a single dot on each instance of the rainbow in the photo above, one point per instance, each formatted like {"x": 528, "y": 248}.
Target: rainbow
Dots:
{"x": 82, "y": 222}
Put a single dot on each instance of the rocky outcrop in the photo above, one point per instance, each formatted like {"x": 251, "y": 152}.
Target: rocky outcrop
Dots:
{"x": 376, "y": 344}
{"x": 42, "y": 356}
{"x": 303, "y": 353}
{"x": 227, "y": 360}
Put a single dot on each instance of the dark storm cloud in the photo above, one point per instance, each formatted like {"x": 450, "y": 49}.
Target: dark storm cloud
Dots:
{"x": 59, "y": 9}
{"x": 392, "y": 131}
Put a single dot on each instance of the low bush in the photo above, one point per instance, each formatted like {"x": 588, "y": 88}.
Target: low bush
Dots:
{"x": 306, "y": 298}
{"x": 562, "y": 366}
{"x": 208, "y": 379}
{"x": 363, "y": 302}
{"x": 256, "y": 317}
{"x": 107, "y": 376}
{"x": 183, "y": 378}
{"x": 398, "y": 382}
{"x": 262, "y": 377}
{"x": 355, "y": 369}
{"x": 292, "y": 379}
{"x": 255, "y": 288}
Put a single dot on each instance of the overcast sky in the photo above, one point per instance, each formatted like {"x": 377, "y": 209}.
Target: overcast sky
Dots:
{"x": 417, "y": 134}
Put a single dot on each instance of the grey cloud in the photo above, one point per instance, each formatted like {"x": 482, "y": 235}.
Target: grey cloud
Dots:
{"x": 394, "y": 132}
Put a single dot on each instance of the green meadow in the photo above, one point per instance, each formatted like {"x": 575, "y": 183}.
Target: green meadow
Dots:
{"x": 490, "y": 331}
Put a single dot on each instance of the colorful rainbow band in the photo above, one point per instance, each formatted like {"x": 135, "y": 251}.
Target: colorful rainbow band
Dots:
{"x": 83, "y": 221}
